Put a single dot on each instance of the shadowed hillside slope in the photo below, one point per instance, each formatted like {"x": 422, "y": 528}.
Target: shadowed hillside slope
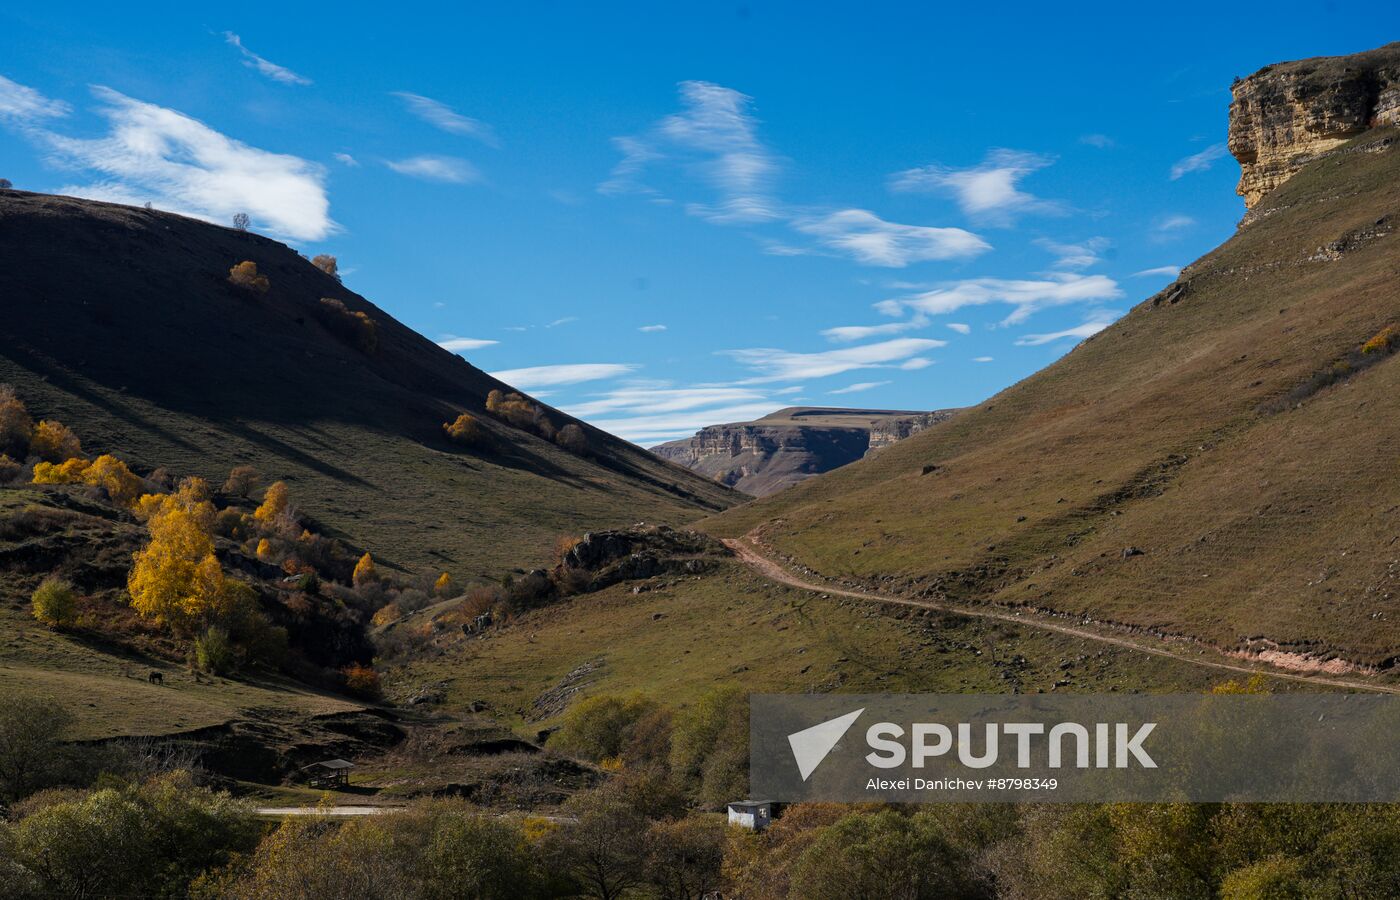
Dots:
{"x": 121, "y": 322}
{"x": 1222, "y": 463}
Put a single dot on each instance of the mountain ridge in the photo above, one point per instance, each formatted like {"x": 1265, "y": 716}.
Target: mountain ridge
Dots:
{"x": 123, "y": 323}
{"x": 794, "y": 443}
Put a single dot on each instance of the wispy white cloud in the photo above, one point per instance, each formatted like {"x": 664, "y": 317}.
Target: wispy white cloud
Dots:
{"x": 918, "y": 362}
{"x": 346, "y": 159}
{"x": 458, "y": 344}
{"x": 652, "y": 429}
{"x": 651, "y": 329}
{"x": 1159, "y": 272}
{"x": 960, "y": 327}
{"x": 263, "y": 66}
{"x": 863, "y": 332}
{"x": 1079, "y": 332}
{"x": 1101, "y": 141}
{"x": 868, "y": 239}
{"x": 553, "y": 376}
{"x": 987, "y": 192}
{"x": 858, "y": 387}
{"x": 714, "y": 138}
{"x": 449, "y": 169}
{"x": 1168, "y": 226}
{"x": 178, "y": 163}
{"x": 445, "y": 118}
{"x": 1077, "y": 256}
{"x": 21, "y": 104}
{"x": 650, "y": 399}
{"x": 564, "y": 321}
{"x": 783, "y": 392}
{"x": 1025, "y": 296}
{"x": 1197, "y": 162}
{"x": 784, "y": 365}
{"x": 983, "y": 359}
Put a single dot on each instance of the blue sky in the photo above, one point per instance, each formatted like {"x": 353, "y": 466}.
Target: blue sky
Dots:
{"x": 661, "y": 216}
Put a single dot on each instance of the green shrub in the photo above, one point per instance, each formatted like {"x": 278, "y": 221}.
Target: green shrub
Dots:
{"x": 214, "y": 652}
{"x": 55, "y": 603}
{"x": 602, "y": 727}
{"x": 147, "y": 840}
{"x": 31, "y": 743}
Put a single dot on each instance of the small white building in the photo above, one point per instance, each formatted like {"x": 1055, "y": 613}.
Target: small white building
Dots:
{"x": 755, "y": 815}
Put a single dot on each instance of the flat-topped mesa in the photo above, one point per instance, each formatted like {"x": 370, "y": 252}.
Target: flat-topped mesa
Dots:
{"x": 1286, "y": 115}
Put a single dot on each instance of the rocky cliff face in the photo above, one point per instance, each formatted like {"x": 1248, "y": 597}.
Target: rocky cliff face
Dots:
{"x": 1286, "y": 115}
{"x": 779, "y": 450}
{"x": 896, "y": 428}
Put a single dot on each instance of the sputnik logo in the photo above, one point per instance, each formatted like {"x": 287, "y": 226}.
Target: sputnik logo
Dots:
{"x": 811, "y": 745}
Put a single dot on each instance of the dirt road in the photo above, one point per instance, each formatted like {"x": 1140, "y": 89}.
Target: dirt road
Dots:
{"x": 754, "y": 558}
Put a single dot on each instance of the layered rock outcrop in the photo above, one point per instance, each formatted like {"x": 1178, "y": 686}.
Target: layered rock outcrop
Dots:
{"x": 781, "y": 449}
{"x": 1287, "y": 115}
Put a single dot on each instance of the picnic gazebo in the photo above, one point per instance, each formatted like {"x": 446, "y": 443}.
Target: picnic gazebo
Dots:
{"x": 330, "y": 773}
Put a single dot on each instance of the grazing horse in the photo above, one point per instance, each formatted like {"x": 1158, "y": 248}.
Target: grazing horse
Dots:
{"x": 156, "y": 678}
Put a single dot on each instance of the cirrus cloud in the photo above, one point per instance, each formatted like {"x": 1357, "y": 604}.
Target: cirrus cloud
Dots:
{"x": 868, "y": 239}
{"x": 986, "y": 192}
{"x": 784, "y": 365}
{"x": 262, "y": 66}
{"x": 531, "y": 377}
{"x": 445, "y": 118}
{"x": 1024, "y": 295}
{"x": 448, "y": 169}
{"x": 178, "y": 163}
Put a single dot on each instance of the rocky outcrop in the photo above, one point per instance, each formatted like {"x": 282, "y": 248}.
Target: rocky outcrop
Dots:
{"x": 897, "y": 428}
{"x": 604, "y": 558}
{"x": 781, "y": 449}
{"x": 1287, "y": 115}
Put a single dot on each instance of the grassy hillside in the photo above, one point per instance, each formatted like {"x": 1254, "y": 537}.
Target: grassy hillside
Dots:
{"x": 682, "y": 636}
{"x": 122, "y": 323}
{"x": 1190, "y": 469}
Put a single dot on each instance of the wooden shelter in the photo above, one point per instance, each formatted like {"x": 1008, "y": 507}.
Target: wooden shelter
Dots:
{"x": 330, "y": 773}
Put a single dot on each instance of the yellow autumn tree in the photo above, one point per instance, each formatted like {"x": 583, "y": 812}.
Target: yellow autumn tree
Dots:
{"x": 245, "y": 275}
{"x": 264, "y": 551}
{"x": 465, "y": 430}
{"x": 54, "y": 442}
{"x": 443, "y": 585}
{"x": 176, "y": 579}
{"x": 113, "y": 476}
{"x": 275, "y": 503}
{"x": 364, "y": 571}
{"x": 70, "y": 472}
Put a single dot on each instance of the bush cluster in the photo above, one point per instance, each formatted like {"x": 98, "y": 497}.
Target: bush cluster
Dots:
{"x": 526, "y": 415}
{"x": 354, "y": 327}
{"x": 244, "y": 276}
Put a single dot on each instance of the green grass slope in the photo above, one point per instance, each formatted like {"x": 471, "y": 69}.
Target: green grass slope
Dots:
{"x": 121, "y": 323}
{"x": 1266, "y": 520}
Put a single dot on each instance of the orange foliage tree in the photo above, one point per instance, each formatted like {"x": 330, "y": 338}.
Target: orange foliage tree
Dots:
{"x": 113, "y": 476}
{"x": 443, "y": 586}
{"x": 276, "y": 504}
{"x": 327, "y": 263}
{"x": 245, "y": 275}
{"x": 54, "y": 442}
{"x": 364, "y": 571}
{"x": 465, "y": 430}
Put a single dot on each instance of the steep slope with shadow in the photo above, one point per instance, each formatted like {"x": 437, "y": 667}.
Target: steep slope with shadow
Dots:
{"x": 1222, "y": 464}
{"x": 122, "y": 323}
{"x": 777, "y": 451}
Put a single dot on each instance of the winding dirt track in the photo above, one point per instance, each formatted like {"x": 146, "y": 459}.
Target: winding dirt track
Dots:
{"x": 753, "y": 557}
